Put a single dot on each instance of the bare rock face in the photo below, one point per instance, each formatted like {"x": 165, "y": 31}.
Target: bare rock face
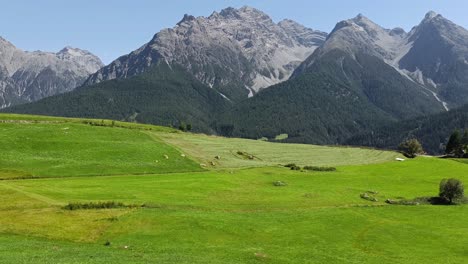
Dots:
{"x": 30, "y": 76}
{"x": 238, "y": 52}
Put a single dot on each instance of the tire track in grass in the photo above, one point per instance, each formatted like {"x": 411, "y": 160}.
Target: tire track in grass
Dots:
{"x": 32, "y": 195}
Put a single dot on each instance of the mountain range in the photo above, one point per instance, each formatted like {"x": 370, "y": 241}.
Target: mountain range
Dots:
{"x": 238, "y": 73}
{"x": 30, "y": 76}
{"x": 237, "y": 52}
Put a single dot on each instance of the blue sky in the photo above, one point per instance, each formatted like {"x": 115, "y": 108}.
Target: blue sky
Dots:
{"x": 110, "y": 28}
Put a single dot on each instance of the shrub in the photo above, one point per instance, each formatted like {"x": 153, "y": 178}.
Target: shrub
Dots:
{"x": 316, "y": 168}
{"x": 182, "y": 127}
{"x": 95, "y": 205}
{"x": 368, "y": 197}
{"x": 297, "y": 168}
{"x": 402, "y": 202}
{"x": 411, "y": 148}
{"x": 451, "y": 189}
{"x": 290, "y": 165}
{"x": 279, "y": 184}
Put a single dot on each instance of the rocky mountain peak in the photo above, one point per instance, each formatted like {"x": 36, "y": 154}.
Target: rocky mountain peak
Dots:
{"x": 33, "y": 75}
{"x": 241, "y": 48}
{"x": 360, "y": 17}
{"x": 362, "y": 35}
{"x": 305, "y": 36}
{"x": 186, "y": 18}
{"x": 243, "y": 12}
{"x": 430, "y": 15}
{"x": 73, "y": 51}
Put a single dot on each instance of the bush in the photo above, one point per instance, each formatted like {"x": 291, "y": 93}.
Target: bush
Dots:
{"x": 297, "y": 168}
{"x": 368, "y": 197}
{"x": 96, "y": 205}
{"x": 279, "y": 184}
{"x": 411, "y": 148}
{"x": 402, "y": 202}
{"x": 451, "y": 189}
{"x": 293, "y": 166}
{"x": 316, "y": 168}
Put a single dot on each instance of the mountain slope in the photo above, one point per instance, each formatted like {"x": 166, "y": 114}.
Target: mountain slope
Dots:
{"x": 346, "y": 86}
{"x": 30, "y": 76}
{"x": 438, "y": 58}
{"x": 432, "y": 131}
{"x": 236, "y": 51}
{"x": 338, "y": 96}
{"x": 164, "y": 94}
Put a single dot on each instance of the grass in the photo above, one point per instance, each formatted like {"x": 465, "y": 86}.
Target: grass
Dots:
{"x": 205, "y": 148}
{"x": 281, "y": 137}
{"x": 31, "y": 150}
{"x": 231, "y": 214}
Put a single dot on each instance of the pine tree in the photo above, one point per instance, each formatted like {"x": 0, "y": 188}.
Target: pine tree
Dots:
{"x": 464, "y": 145}
{"x": 464, "y": 139}
{"x": 454, "y": 143}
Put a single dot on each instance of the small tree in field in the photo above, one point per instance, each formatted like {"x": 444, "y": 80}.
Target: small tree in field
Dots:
{"x": 411, "y": 148}
{"x": 451, "y": 189}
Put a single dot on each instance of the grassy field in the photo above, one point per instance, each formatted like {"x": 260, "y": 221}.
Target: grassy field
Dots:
{"x": 227, "y": 213}
{"x": 205, "y": 148}
{"x": 72, "y": 149}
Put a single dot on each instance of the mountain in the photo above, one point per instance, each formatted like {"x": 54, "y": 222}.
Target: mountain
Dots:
{"x": 349, "y": 84}
{"x": 437, "y": 56}
{"x": 433, "y": 54}
{"x": 237, "y": 52}
{"x": 165, "y": 94}
{"x": 432, "y": 131}
{"x": 30, "y": 76}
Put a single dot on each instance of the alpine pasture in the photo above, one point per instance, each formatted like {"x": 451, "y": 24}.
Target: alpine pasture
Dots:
{"x": 188, "y": 198}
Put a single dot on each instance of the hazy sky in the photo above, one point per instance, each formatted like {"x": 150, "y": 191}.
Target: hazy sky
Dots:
{"x": 111, "y": 28}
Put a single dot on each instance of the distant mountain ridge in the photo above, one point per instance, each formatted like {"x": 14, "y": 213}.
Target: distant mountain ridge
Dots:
{"x": 30, "y": 76}
{"x": 237, "y": 52}
{"x": 434, "y": 54}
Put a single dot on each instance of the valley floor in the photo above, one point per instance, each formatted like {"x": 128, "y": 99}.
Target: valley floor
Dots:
{"x": 229, "y": 212}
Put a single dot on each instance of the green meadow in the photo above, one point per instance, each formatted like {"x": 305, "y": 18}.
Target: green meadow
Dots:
{"x": 202, "y": 199}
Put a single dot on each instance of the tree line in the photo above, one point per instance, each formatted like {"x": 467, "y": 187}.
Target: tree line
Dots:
{"x": 456, "y": 147}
